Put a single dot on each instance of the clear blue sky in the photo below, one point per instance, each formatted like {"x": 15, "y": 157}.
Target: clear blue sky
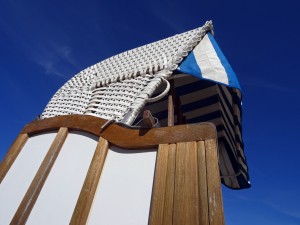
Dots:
{"x": 44, "y": 43}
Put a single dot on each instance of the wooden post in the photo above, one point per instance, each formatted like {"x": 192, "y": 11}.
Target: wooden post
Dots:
{"x": 148, "y": 119}
{"x": 174, "y": 107}
{"x": 171, "y": 104}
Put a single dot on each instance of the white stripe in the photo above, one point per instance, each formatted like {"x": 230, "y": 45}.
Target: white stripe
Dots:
{"x": 19, "y": 177}
{"x": 209, "y": 62}
{"x": 124, "y": 191}
{"x": 60, "y": 192}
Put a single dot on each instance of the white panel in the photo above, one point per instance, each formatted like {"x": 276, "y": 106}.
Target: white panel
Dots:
{"x": 209, "y": 62}
{"x": 61, "y": 190}
{"x": 21, "y": 173}
{"x": 125, "y": 188}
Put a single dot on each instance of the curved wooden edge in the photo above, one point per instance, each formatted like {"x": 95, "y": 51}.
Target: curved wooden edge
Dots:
{"x": 125, "y": 137}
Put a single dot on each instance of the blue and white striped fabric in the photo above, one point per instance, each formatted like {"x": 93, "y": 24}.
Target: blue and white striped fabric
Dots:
{"x": 207, "y": 61}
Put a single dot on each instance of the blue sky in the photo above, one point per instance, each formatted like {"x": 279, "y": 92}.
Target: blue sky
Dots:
{"x": 44, "y": 43}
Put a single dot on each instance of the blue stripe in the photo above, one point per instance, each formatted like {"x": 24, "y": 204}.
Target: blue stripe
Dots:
{"x": 190, "y": 66}
{"x": 232, "y": 78}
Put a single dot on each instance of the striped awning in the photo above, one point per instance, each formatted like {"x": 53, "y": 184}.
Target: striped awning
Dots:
{"x": 212, "y": 94}
{"x": 207, "y": 61}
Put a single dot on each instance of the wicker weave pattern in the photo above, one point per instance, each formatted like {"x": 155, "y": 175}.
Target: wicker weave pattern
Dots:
{"x": 114, "y": 100}
{"x": 67, "y": 102}
{"x": 123, "y": 83}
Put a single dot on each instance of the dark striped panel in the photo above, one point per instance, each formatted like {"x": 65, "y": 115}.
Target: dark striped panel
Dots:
{"x": 205, "y": 101}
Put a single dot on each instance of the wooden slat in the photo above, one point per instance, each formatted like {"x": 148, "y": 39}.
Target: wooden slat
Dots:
{"x": 186, "y": 195}
{"x": 170, "y": 111}
{"x": 37, "y": 183}
{"x": 12, "y": 154}
{"x": 84, "y": 203}
{"x": 162, "y": 195}
{"x": 125, "y": 137}
{"x": 202, "y": 179}
{"x": 215, "y": 204}
{"x": 170, "y": 186}
{"x": 171, "y": 98}
{"x": 158, "y": 194}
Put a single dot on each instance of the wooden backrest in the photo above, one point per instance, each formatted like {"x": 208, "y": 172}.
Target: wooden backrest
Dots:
{"x": 185, "y": 174}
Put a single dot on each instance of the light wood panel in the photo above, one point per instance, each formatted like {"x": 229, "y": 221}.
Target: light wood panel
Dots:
{"x": 186, "y": 196}
{"x": 170, "y": 185}
{"x": 187, "y": 188}
{"x": 162, "y": 196}
{"x": 12, "y": 154}
{"x": 83, "y": 206}
{"x": 214, "y": 192}
{"x": 202, "y": 179}
{"x": 36, "y": 185}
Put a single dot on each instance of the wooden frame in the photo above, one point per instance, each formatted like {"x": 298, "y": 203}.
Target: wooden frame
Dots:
{"x": 115, "y": 133}
{"x": 187, "y": 185}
